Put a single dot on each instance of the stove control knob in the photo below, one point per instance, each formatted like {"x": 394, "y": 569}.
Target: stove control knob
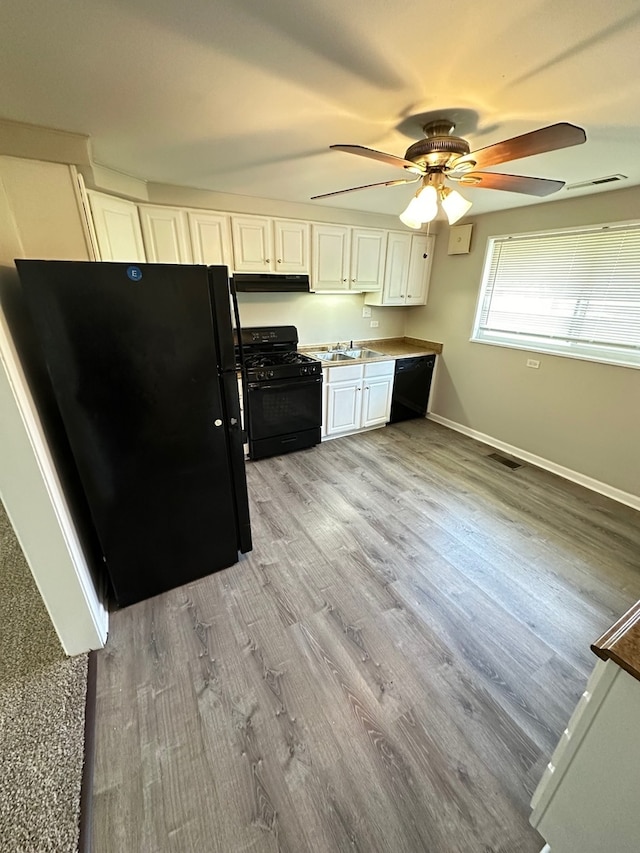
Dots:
{"x": 262, "y": 374}
{"x": 304, "y": 370}
{"x": 270, "y": 374}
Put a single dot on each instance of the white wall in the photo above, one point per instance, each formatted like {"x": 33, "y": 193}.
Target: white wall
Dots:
{"x": 580, "y": 415}
{"x": 39, "y": 218}
{"x": 321, "y": 317}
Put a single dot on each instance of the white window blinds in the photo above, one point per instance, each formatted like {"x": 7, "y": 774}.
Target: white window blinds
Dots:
{"x": 573, "y": 292}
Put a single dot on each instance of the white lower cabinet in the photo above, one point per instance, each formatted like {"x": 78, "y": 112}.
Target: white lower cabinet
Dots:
{"x": 358, "y": 396}
{"x": 376, "y": 399}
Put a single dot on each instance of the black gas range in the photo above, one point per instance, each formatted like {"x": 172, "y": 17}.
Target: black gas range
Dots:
{"x": 282, "y": 391}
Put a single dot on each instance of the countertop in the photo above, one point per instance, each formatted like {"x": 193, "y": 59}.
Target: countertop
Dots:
{"x": 391, "y": 348}
{"x": 621, "y": 643}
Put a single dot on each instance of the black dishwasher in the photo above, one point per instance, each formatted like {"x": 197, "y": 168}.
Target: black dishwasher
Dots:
{"x": 411, "y": 387}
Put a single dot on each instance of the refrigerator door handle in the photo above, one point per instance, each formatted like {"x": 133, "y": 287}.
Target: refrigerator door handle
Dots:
{"x": 237, "y": 439}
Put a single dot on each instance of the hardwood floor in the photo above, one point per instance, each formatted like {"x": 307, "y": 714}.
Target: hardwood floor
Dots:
{"x": 389, "y": 670}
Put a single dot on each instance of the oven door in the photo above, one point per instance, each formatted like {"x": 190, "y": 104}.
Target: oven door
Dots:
{"x": 283, "y": 415}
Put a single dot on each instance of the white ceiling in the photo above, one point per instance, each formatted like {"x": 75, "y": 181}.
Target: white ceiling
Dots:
{"x": 245, "y": 96}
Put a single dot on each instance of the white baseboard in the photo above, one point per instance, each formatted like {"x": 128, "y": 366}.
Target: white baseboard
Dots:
{"x": 588, "y": 482}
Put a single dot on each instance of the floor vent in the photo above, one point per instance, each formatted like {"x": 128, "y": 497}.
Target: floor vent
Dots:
{"x": 503, "y": 460}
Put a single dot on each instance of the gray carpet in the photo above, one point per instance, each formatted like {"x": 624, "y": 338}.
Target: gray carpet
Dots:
{"x": 42, "y": 696}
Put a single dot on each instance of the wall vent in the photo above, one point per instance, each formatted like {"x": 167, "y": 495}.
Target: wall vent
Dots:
{"x": 504, "y": 460}
{"x": 595, "y": 182}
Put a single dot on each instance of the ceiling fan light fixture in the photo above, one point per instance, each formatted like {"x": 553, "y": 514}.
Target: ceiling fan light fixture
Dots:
{"x": 411, "y": 215}
{"x": 455, "y": 206}
{"x": 422, "y": 208}
{"x": 406, "y": 219}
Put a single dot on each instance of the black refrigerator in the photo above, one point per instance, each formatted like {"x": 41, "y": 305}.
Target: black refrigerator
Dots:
{"x": 142, "y": 363}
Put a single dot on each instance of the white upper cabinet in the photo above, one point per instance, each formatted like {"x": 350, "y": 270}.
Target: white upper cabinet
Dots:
{"x": 396, "y": 272}
{"x": 252, "y": 244}
{"x": 407, "y": 270}
{"x": 419, "y": 268}
{"x": 367, "y": 258}
{"x": 331, "y": 255}
{"x": 117, "y": 228}
{"x": 347, "y": 258}
{"x": 262, "y": 244}
{"x": 210, "y": 238}
{"x": 166, "y": 234}
{"x": 291, "y": 240}
{"x": 389, "y": 267}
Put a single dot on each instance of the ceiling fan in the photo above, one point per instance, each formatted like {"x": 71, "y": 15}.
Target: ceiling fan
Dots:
{"x": 442, "y": 157}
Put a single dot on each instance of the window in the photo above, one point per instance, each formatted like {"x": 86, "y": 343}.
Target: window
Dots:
{"x": 572, "y": 292}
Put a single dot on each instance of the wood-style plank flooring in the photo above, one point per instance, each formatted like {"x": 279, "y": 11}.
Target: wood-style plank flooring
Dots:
{"x": 387, "y": 672}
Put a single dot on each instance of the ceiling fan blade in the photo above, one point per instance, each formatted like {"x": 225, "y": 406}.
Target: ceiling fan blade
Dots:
{"x": 511, "y": 183}
{"x": 390, "y": 159}
{"x": 551, "y": 138}
{"x": 368, "y": 186}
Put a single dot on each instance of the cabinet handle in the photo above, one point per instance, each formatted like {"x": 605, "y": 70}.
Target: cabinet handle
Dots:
{"x": 267, "y": 260}
{"x": 353, "y": 279}
{"x": 408, "y": 296}
{"x": 344, "y": 279}
{"x": 279, "y": 261}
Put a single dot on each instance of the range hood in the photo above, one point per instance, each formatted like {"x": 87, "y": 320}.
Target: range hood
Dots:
{"x": 265, "y": 282}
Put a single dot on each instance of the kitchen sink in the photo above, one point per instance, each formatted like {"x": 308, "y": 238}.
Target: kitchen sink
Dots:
{"x": 332, "y": 356}
{"x": 363, "y": 353}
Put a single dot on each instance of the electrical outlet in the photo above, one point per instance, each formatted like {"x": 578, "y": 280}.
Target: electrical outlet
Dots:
{"x": 533, "y": 362}
{"x": 366, "y": 310}
{"x": 374, "y": 324}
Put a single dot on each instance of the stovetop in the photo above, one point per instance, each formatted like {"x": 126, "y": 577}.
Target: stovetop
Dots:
{"x": 271, "y": 359}
{"x": 270, "y": 353}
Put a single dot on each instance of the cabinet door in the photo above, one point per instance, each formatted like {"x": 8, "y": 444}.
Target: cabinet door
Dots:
{"x": 376, "y": 400}
{"x": 166, "y": 234}
{"x": 396, "y": 271}
{"x": 210, "y": 238}
{"x": 252, "y": 247}
{"x": 344, "y": 406}
{"x": 291, "y": 246}
{"x": 117, "y": 228}
{"x": 330, "y": 257}
{"x": 419, "y": 269}
{"x": 367, "y": 258}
